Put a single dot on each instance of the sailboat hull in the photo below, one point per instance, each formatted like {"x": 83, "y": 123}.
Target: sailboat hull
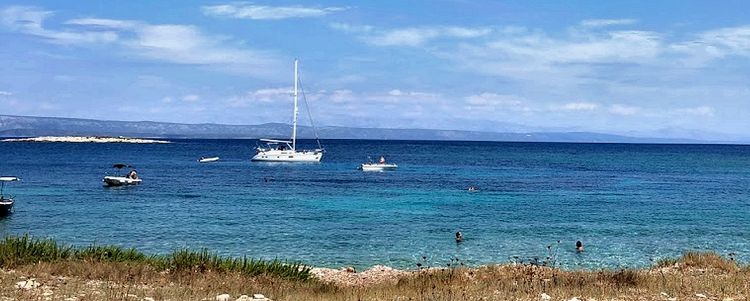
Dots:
{"x": 288, "y": 156}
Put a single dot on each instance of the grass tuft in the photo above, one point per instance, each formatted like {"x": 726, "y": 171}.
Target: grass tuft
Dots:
{"x": 700, "y": 260}
{"x": 708, "y": 260}
{"x": 21, "y": 250}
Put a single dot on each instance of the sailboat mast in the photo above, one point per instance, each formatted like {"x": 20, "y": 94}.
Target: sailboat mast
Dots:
{"x": 296, "y": 111}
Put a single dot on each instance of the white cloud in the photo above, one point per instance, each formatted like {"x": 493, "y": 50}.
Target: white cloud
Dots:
{"x": 706, "y": 111}
{"x": 410, "y": 36}
{"x": 395, "y": 92}
{"x": 29, "y": 20}
{"x": 341, "y": 96}
{"x": 188, "y": 45}
{"x": 606, "y": 22}
{"x": 191, "y": 97}
{"x": 180, "y": 44}
{"x": 625, "y": 110}
{"x": 103, "y": 23}
{"x": 710, "y": 45}
{"x": 349, "y": 28}
{"x": 575, "y": 106}
{"x": 5, "y": 93}
{"x": 734, "y": 40}
{"x": 493, "y": 101}
{"x": 267, "y": 95}
{"x": 263, "y": 12}
{"x": 611, "y": 47}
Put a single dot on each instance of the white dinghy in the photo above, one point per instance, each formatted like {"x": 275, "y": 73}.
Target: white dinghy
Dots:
{"x": 380, "y": 166}
{"x": 131, "y": 178}
{"x": 208, "y": 159}
{"x": 6, "y": 202}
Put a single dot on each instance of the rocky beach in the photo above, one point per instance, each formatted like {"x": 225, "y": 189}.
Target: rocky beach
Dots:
{"x": 85, "y": 139}
{"x": 686, "y": 279}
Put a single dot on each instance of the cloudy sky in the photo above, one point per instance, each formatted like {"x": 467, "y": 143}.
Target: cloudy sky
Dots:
{"x": 665, "y": 68}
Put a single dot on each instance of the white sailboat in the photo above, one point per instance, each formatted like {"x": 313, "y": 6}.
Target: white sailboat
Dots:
{"x": 285, "y": 150}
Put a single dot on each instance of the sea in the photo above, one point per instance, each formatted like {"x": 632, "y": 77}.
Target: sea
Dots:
{"x": 629, "y": 204}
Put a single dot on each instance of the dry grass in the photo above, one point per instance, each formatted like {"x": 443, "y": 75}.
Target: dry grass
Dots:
{"x": 697, "y": 273}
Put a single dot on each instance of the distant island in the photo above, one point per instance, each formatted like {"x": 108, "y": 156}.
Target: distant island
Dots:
{"x": 85, "y": 139}
{"x": 30, "y": 126}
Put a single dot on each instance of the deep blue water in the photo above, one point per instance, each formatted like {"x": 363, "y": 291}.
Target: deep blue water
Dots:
{"x": 628, "y": 203}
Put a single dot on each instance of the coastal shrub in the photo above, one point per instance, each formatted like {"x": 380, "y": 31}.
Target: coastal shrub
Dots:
{"x": 706, "y": 260}
{"x": 200, "y": 261}
{"x": 21, "y": 250}
{"x": 700, "y": 260}
{"x": 110, "y": 254}
{"x": 666, "y": 262}
{"x": 625, "y": 278}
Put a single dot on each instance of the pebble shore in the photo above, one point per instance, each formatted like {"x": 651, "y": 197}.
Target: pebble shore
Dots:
{"x": 85, "y": 139}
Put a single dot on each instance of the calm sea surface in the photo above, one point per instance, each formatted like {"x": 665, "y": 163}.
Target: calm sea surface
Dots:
{"x": 628, "y": 203}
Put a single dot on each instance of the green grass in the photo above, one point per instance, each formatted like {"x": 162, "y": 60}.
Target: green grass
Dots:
{"x": 22, "y": 250}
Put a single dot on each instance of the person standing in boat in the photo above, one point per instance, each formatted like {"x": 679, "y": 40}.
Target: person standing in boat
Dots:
{"x": 382, "y": 160}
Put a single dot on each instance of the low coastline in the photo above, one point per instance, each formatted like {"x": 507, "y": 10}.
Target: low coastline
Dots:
{"x": 32, "y": 269}
{"x": 85, "y": 139}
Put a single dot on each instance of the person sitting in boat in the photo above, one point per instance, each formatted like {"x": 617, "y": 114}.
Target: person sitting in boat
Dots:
{"x": 382, "y": 160}
{"x": 473, "y": 188}
{"x": 133, "y": 174}
{"x": 459, "y": 237}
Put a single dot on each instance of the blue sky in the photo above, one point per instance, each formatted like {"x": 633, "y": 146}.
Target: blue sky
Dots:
{"x": 651, "y": 68}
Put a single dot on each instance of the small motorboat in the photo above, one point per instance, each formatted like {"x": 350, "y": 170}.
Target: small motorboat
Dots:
{"x": 208, "y": 159}
{"x": 131, "y": 178}
{"x": 380, "y": 166}
{"x": 6, "y": 202}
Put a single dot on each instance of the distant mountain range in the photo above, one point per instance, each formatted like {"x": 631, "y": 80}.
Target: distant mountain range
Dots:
{"x": 28, "y": 126}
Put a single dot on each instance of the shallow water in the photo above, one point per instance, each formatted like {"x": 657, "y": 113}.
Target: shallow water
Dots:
{"x": 629, "y": 204}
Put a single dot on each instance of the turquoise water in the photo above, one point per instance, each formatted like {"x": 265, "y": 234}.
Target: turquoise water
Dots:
{"x": 629, "y": 203}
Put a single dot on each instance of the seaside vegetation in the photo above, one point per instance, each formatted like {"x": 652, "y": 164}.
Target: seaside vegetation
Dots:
{"x": 22, "y": 250}
{"x": 115, "y": 273}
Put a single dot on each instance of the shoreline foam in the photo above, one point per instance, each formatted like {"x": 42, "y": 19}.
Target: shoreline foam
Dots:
{"x": 85, "y": 139}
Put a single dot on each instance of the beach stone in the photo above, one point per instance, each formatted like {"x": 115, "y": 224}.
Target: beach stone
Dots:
{"x": 259, "y": 297}
{"x": 574, "y": 299}
{"x": 244, "y": 298}
{"x": 147, "y": 299}
{"x": 28, "y": 284}
{"x": 702, "y": 296}
{"x": 546, "y": 297}
{"x": 223, "y": 297}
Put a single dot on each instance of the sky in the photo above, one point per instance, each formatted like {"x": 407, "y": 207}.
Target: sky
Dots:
{"x": 642, "y": 68}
